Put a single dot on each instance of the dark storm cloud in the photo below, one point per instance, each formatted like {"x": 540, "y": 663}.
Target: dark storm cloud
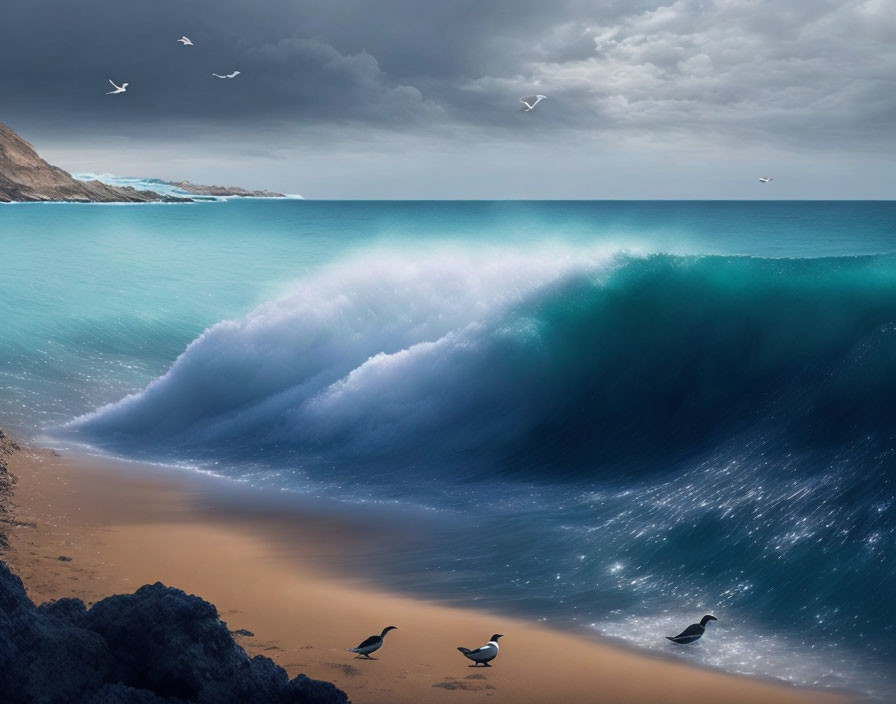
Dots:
{"x": 777, "y": 71}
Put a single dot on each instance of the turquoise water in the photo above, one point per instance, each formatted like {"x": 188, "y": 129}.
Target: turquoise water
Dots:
{"x": 650, "y": 409}
{"x": 96, "y": 300}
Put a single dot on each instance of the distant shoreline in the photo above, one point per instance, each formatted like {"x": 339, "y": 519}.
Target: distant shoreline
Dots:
{"x": 186, "y": 201}
{"x": 26, "y": 178}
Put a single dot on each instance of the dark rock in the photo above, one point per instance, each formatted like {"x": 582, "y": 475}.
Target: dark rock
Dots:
{"x": 42, "y": 658}
{"x": 7, "y": 481}
{"x": 122, "y": 694}
{"x": 156, "y": 645}
{"x": 71, "y": 611}
{"x": 304, "y": 688}
{"x": 243, "y": 632}
{"x": 63, "y": 558}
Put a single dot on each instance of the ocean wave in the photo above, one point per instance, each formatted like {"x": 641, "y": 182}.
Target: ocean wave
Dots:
{"x": 536, "y": 364}
{"x": 615, "y": 410}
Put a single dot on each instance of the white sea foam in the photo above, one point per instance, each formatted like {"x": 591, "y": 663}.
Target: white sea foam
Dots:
{"x": 386, "y": 332}
{"x": 741, "y": 648}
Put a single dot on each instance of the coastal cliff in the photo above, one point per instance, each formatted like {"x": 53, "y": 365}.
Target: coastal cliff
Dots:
{"x": 24, "y": 176}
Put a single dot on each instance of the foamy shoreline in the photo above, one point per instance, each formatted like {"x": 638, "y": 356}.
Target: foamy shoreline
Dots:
{"x": 275, "y": 575}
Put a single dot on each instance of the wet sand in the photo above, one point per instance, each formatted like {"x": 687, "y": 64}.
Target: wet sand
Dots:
{"x": 91, "y": 527}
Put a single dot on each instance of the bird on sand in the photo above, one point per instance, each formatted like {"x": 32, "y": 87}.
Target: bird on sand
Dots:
{"x": 693, "y": 632}
{"x": 484, "y": 654}
{"x": 118, "y": 89}
{"x": 531, "y": 101}
{"x": 229, "y": 75}
{"x": 185, "y": 40}
{"x": 371, "y": 644}
{"x": 765, "y": 180}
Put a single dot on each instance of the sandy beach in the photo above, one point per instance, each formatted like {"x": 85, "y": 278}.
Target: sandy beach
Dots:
{"x": 90, "y": 528}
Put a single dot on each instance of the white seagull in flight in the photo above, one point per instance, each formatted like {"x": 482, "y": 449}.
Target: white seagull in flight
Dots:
{"x": 531, "y": 101}
{"x": 765, "y": 180}
{"x": 229, "y": 75}
{"x": 185, "y": 40}
{"x": 118, "y": 89}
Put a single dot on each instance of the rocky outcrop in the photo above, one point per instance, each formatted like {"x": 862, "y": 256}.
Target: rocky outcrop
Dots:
{"x": 199, "y": 190}
{"x": 24, "y": 176}
{"x": 156, "y": 646}
{"x": 7, "y": 480}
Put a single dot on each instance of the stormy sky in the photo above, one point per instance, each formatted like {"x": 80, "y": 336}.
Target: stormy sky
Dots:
{"x": 420, "y": 98}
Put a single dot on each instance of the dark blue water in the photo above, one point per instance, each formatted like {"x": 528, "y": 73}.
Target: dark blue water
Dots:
{"x": 622, "y": 415}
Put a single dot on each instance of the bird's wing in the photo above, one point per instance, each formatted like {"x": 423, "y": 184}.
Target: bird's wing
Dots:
{"x": 216, "y": 75}
{"x": 483, "y": 648}
{"x": 113, "y": 85}
{"x": 692, "y": 630}
{"x": 373, "y": 640}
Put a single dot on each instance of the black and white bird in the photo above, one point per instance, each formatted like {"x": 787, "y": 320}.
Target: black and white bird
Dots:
{"x": 372, "y": 644}
{"x": 185, "y": 40}
{"x": 484, "y": 654}
{"x": 693, "y": 632}
{"x": 764, "y": 179}
{"x": 530, "y": 101}
{"x": 233, "y": 74}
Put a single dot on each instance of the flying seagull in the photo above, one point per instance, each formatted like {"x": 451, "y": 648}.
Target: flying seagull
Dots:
{"x": 118, "y": 89}
{"x": 693, "y": 632}
{"x": 185, "y": 40}
{"x": 765, "y": 180}
{"x": 531, "y": 101}
{"x": 483, "y": 654}
{"x": 372, "y": 644}
{"x": 229, "y": 75}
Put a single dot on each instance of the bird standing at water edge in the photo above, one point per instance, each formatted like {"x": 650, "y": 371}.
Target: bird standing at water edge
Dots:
{"x": 484, "y": 654}
{"x": 372, "y": 644}
{"x": 693, "y": 632}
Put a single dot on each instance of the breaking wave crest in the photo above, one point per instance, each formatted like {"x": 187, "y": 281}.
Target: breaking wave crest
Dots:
{"x": 560, "y": 366}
